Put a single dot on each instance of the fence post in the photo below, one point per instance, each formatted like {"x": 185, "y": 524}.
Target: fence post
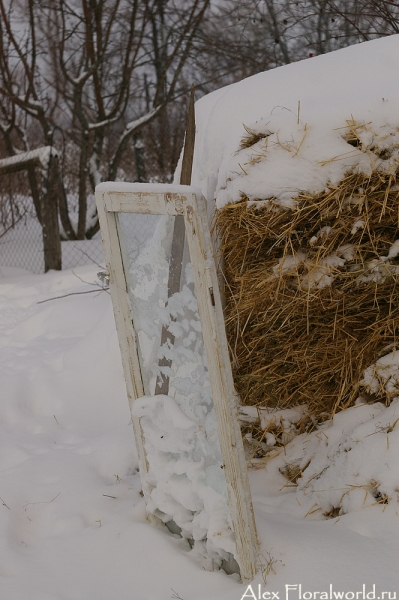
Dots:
{"x": 49, "y": 214}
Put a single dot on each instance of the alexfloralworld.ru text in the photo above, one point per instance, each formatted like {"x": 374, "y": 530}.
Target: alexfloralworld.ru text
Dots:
{"x": 297, "y": 592}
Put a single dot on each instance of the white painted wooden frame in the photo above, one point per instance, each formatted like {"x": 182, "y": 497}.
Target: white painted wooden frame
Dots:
{"x": 174, "y": 200}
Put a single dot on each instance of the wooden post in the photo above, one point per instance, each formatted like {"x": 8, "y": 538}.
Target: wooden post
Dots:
{"x": 46, "y": 204}
{"x": 176, "y": 256}
{"x": 49, "y": 214}
{"x": 189, "y": 141}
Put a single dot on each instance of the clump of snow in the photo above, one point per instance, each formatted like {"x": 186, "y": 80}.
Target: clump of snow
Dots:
{"x": 279, "y": 425}
{"x": 382, "y": 378}
{"x": 318, "y": 273}
{"x": 377, "y": 270}
{"x": 186, "y": 484}
{"x": 270, "y": 416}
{"x": 357, "y": 225}
{"x": 285, "y": 418}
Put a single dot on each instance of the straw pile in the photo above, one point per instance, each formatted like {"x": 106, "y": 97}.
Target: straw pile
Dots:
{"x": 312, "y": 293}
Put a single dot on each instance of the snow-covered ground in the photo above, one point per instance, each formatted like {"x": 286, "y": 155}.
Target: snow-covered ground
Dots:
{"x": 72, "y": 519}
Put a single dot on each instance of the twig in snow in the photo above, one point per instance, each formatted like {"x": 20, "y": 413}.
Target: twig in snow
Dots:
{"x": 102, "y": 287}
{"x": 74, "y": 294}
{"x": 266, "y": 564}
{"x": 43, "y": 502}
{"x": 175, "y": 595}
{"x": 312, "y": 510}
{"x": 99, "y": 288}
{"x": 4, "y": 504}
{"x": 388, "y": 428}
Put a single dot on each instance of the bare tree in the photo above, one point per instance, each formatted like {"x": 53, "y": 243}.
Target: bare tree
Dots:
{"x": 95, "y": 79}
{"x": 92, "y": 74}
{"x": 243, "y": 37}
{"x": 369, "y": 19}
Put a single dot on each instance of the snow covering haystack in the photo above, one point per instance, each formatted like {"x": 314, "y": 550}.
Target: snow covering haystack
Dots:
{"x": 308, "y": 216}
{"x": 313, "y": 281}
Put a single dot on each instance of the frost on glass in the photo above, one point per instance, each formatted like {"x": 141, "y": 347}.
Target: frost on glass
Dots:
{"x": 185, "y": 466}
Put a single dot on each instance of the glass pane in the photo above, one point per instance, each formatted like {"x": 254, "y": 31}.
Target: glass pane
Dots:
{"x": 186, "y": 475}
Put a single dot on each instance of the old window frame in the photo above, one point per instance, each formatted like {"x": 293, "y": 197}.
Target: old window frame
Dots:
{"x": 162, "y": 199}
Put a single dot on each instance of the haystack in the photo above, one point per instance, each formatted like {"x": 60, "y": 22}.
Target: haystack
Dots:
{"x": 307, "y": 212}
{"x": 312, "y": 280}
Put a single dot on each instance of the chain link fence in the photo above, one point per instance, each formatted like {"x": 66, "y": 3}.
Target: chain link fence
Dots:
{"x": 83, "y": 252}
{"x": 21, "y": 238}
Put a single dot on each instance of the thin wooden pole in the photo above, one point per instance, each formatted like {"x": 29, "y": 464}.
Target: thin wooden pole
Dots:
{"x": 176, "y": 255}
{"x": 188, "y": 152}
